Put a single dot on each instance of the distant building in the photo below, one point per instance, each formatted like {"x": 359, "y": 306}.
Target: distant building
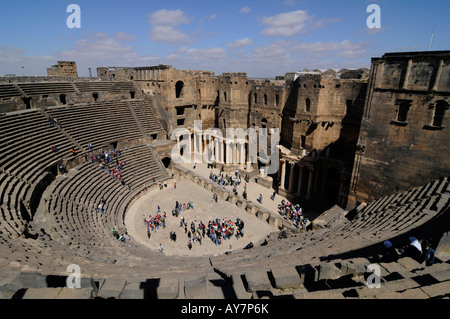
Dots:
{"x": 63, "y": 68}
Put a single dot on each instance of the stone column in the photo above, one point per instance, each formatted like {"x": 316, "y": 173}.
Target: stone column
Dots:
{"x": 283, "y": 172}
{"x": 310, "y": 183}
{"x": 242, "y": 153}
{"x": 219, "y": 158}
{"x": 323, "y": 183}
{"x": 300, "y": 177}
{"x": 230, "y": 151}
{"x": 341, "y": 185}
{"x": 291, "y": 177}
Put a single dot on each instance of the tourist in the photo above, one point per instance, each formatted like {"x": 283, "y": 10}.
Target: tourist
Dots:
{"x": 429, "y": 254}
{"x": 273, "y": 196}
{"x": 414, "y": 249}
{"x": 190, "y": 244}
{"x": 389, "y": 253}
{"x": 160, "y": 248}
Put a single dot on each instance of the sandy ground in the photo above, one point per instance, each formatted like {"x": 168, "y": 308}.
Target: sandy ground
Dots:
{"x": 205, "y": 209}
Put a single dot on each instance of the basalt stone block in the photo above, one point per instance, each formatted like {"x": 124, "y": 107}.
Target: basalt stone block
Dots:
{"x": 195, "y": 288}
{"x": 409, "y": 263}
{"x": 328, "y": 271}
{"x": 76, "y": 293}
{"x": 41, "y": 293}
{"x": 286, "y": 277}
{"x": 263, "y": 215}
{"x": 112, "y": 288}
{"x": 133, "y": 290}
{"x": 168, "y": 288}
{"x": 257, "y": 280}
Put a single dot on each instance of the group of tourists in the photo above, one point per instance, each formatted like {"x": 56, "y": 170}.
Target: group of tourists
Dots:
{"x": 218, "y": 230}
{"x": 155, "y": 222}
{"x": 292, "y": 212}
{"x": 179, "y": 207}
{"x": 421, "y": 251}
{"x": 52, "y": 121}
{"x": 120, "y": 237}
{"x": 226, "y": 179}
{"x": 109, "y": 161}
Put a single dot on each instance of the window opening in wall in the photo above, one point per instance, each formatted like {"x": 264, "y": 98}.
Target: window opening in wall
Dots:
{"x": 62, "y": 98}
{"x": 264, "y": 123}
{"x": 179, "y": 89}
{"x": 277, "y": 100}
{"x": 438, "y": 113}
{"x": 95, "y": 96}
{"x": 307, "y": 105}
{"x": 180, "y": 122}
{"x": 180, "y": 110}
{"x": 255, "y": 97}
{"x": 402, "y": 111}
{"x": 27, "y": 101}
{"x": 265, "y": 99}
{"x": 132, "y": 94}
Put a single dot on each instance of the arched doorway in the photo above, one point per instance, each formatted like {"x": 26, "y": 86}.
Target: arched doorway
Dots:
{"x": 167, "y": 161}
{"x": 179, "y": 89}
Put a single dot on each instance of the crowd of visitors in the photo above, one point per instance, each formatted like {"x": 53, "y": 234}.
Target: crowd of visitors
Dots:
{"x": 419, "y": 250}
{"x": 109, "y": 161}
{"x": 120, "y": 237}
{"x": 226, "y": 179}
{"x": 216, "y": 230}
{"x": 292, "y": 212}
{"x": 155, "y": 222}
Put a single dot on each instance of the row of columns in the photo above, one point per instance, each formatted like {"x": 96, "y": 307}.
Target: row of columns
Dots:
{"x": 148, "y": 74}
{"x": 218, "y": 149}
{"x": 313, "y": 180}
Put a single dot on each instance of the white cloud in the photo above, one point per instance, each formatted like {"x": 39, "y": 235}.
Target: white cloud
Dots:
{"x": 124, "y": 36}
{"x": 168, "y": 17}
{"x": 10, "y": 54}
{"x": 202, "y": 54}
{"x": 344, "y": 48}
{"x": 286, "y": 24}
{"x": 15, "y": 60}
{"x": 245, "y": 9}
{"x": 167, "y": 33}
{"x": 239, "y": 43}
{"x": 289, "y": 2}
{"x": 99, "y": 48}
{"x": 164, "y": 23}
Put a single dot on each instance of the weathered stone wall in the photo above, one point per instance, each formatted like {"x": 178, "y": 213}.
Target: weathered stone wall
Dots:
{"x": 321, "y": 105}
{"x": 401, "y": 143}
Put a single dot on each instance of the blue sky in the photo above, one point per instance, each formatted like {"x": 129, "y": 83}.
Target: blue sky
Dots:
{"x": 263, "y": 38}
